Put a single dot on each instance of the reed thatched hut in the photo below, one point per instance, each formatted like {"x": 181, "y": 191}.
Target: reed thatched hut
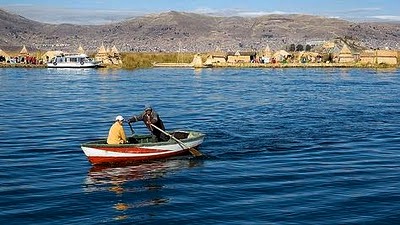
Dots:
{"x": 81, "y": 50}
{"x": 267, "y": 53}
{"x": 345, "y": 55}
{"x": 197, "y": 61}
{"x": 24, "y": 51}
{"x": 216, "y": 56}
{"x": 241, "y": 57}
{"x": 281, "y": 55}
{"x": 4, "y": 56}
{"x": 102, "y": 55}
{"x": 379, "y": 57}
{"x": 108, "y": 56}
{"x": 313, "y": 57}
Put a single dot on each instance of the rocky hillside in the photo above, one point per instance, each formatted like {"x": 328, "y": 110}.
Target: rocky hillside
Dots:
{"x": 174, "y": 31}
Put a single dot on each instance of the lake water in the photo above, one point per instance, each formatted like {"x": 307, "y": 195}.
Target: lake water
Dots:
{"x": 283, "y": 146}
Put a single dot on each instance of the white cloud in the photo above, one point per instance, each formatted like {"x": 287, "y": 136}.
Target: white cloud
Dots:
{"x": 260, "y": 13}
{"x": 205, "y": 11}
{"x": 363, "y": 10}
{"x": 387, "y": 17}
{"x": 56, "y": 15}
{"x": 235, "y": 12}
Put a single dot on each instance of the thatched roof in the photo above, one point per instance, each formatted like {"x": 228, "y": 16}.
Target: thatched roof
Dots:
{"x": 345, "y": 50}
{"x": 267, "y": 52}
{"x": 311, "y": 54}
{"x": 24, "y": 51}
{"x": 102, "y": 50}
{"x": 244, "y": 53}
{"x": 386, "y": 53}
{"x": 281, "y": 53}
{"x": 197, "y": 61}
{"x": 218, "y": 53}
{"x": 114, "y": 50}
{"x": 3, "y": 53}
{"x": 80, "y": 50}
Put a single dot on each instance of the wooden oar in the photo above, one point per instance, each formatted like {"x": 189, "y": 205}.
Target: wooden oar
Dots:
{"x": 131, "y": 128}
{"x": 132, "y": 138}
{"x": 193, "y": 151}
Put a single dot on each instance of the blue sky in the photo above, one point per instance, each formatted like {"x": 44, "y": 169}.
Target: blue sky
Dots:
{"x": 106, "y": 11}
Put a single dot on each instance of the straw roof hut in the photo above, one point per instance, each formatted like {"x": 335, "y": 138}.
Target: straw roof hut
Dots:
{"x": 308, "y": 56}
{"x": 81, "y": 50}
{"x": 24, "y": 51}
{"x": 387, "y": 57}
{"x": 4, "y": 54}
{"x": 102, "y": 55}
{"x": 218, "y": 53}
{"x": 345, "y": 55}
{"x": 102, "y": 50}
{"x": 267, "y": 52}
{"x": 281, "y": 55}
{"x": 115, "y": 56}
{"x": 197, "y": 61}
{"x": 217, "y": 56}
{"x": 114, "y": 50}
{"x": 108, "y": 56}
{"x": 378, "y": 56}
{"x": 241, "y": 57}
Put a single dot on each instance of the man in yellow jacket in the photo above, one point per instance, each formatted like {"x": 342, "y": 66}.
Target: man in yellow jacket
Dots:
{"x": 116, "y": 135}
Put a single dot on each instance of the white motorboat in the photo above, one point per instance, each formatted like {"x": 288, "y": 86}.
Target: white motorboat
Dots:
{"x": 73, "y": 61}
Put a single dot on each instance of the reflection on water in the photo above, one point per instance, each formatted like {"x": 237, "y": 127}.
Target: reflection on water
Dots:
{"x": 100, "y": 175}
{"x": 134, "y": 180}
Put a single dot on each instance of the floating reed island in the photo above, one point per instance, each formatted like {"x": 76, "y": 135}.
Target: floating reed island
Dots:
{"x": 328, "y": 56}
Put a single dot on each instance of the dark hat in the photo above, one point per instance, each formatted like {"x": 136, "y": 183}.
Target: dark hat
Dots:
{"x": 147, "y": 107}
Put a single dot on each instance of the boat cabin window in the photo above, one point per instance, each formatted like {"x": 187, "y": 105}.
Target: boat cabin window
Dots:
{"x": 58, "y": 59}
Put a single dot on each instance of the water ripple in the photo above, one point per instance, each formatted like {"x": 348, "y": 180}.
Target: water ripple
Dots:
{"x": 283, "y": 146}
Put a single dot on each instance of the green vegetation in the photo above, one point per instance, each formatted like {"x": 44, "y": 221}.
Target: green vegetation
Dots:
{"x": 145, "y": 60}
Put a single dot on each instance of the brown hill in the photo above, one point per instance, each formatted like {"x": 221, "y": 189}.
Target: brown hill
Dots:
{"x": 174, "y": 31}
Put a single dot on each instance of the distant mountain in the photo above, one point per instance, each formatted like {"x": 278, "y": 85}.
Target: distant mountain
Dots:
{"x": 174, "y": 31}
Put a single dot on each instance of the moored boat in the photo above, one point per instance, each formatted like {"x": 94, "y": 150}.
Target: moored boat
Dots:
{"x": 73, "y": 61}
{"x": 142, "y": 148}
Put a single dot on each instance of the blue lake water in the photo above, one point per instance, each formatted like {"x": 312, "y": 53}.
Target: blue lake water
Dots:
{"x": 283, "y": 146}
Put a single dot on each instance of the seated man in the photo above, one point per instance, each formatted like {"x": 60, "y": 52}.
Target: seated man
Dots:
{"x": 116, "y": 135}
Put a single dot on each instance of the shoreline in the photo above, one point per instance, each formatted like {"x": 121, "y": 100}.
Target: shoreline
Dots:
{"x": 237, "y": 65}
{"x": 303, "y": 65}
{"x": 21, "y": 65}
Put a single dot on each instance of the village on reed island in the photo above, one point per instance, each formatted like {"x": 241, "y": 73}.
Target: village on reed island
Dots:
{"x": 334, "y": 53}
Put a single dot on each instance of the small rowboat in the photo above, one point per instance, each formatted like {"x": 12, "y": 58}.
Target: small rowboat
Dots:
{"x": 142, "y": 148}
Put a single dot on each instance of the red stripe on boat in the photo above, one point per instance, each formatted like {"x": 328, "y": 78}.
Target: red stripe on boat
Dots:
{"x": 125, "y": 159}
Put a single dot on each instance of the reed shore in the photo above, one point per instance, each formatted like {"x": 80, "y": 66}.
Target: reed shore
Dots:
{"x": 239, "y": 65}
{"x": 21, "y": 65}
{"x": 149, "y": 60}
{"x": 301, "y": 65}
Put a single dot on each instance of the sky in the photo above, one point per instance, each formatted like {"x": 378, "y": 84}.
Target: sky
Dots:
{"x": 108, "y": 11}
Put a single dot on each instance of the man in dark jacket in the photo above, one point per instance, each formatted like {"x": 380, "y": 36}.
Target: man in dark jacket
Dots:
{"x": 150, "y": 116}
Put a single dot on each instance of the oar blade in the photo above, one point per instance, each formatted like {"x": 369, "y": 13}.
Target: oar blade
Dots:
{"x": 195, "y": 152}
